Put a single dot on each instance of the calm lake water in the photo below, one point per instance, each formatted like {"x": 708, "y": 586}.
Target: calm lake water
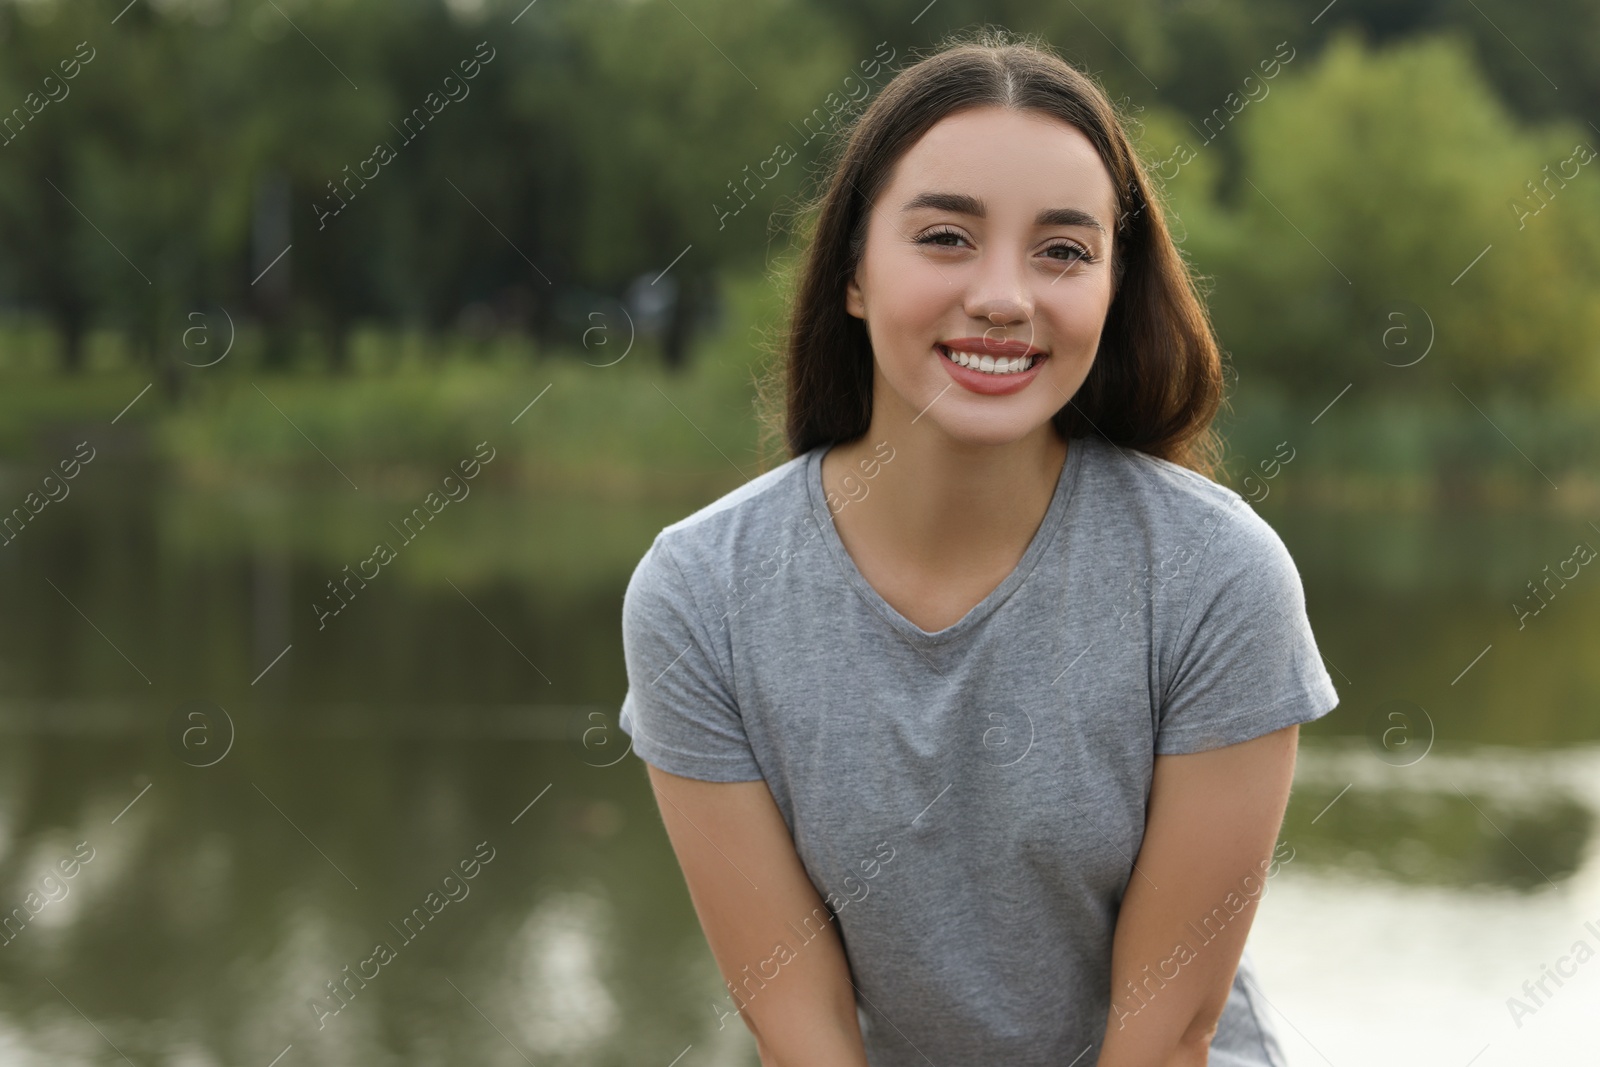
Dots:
{"x": 211, "y": 808}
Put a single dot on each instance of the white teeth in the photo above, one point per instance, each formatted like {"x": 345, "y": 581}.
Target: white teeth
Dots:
{"x": 988, "y": 364}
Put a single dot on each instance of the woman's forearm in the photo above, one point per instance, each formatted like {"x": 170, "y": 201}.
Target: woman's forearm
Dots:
{"x": 798, "y": 999}
{"x": 1158, "y": 1043}
{"x": 809, "y": 1027}
{"x": 803, "y": 1042}
{"x": 1184, "y": 917}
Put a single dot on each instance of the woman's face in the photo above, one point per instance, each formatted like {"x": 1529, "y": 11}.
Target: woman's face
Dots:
{"x": 991, "y": 239}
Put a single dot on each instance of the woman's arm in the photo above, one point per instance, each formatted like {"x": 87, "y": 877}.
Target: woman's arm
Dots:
{"x": 752, "y": 895}
{"x": 1209, "y": 834}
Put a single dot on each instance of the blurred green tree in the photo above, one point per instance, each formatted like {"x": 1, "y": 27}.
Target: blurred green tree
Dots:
{"x": 1371, "y": 182}
{"x": 677, "y": 112}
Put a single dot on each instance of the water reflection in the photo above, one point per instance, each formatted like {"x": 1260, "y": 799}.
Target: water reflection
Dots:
{"x": 1473, "y": 818}
{"x": 240, "y": 905}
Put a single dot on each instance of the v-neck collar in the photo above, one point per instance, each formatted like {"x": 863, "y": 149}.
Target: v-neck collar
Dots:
{"x": 1054, "y": 517}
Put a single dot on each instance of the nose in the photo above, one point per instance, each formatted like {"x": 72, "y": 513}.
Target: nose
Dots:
{"x": 999, "y": 292}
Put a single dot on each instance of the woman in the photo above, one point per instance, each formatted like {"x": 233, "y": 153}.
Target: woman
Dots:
{"x": 972, "y": 725}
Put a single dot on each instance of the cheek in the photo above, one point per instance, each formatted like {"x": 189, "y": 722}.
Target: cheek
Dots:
{"x": 1078, "y": 317}
{"x": 1087, "y": 321}
{"x": 907, "y": 302}
{"x": 912, "y": 289}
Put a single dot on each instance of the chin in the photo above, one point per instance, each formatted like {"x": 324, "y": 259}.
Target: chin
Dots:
{"x": 991, "y": 430}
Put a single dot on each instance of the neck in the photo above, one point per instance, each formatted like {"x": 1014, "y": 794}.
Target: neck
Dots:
{"x": 946, "y": 506}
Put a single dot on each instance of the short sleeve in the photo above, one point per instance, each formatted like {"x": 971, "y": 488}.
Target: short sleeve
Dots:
{"x": 1244, "y": 661}
{"x": 679, "y": 711}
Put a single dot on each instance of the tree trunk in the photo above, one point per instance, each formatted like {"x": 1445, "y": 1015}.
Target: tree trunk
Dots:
{"x": 676, "y": 337}
{"x": 70, "y": 329}
{"x": 337, "y": 338}
{"x": 277, "y": 344}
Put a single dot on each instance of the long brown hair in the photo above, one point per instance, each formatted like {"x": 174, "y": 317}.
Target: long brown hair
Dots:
{"x": 1156, "y": 381}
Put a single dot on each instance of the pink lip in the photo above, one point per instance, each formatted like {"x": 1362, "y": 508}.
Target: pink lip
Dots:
{"x": 990, "y": 384}
{"x": 987, "y": 346}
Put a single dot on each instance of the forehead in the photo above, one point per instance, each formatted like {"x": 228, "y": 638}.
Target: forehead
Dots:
{"x": 1023, "y": 160}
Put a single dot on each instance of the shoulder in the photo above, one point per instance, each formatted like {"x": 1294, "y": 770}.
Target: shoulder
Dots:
{"x": 1170, "y": 505}
{"x": 708, "y": 545}
{"x": 754, "y": 499}
{"x": 1174, "y": 536}
{"x": 1235, "y": 560}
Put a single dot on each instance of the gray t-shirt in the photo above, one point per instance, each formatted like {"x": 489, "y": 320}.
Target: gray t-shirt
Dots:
{"x": 969, "y": 802}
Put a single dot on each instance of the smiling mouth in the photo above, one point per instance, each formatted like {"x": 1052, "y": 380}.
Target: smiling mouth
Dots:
{"x": 987, "y": 364}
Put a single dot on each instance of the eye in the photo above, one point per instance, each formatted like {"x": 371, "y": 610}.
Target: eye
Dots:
{"x": 937, "y": 237}
{"x": 1077, "y": 253}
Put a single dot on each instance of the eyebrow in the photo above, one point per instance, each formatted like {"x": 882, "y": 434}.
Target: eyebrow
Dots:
{"x": 962, "y": 204}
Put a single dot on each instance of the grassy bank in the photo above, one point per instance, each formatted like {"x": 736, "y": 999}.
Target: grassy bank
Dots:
{"x": 407, "y": 412}
{"x": 604, "y": 417}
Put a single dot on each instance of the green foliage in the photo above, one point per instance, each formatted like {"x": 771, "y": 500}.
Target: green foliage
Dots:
{"x": 606, "y": 140}
{"x": 655, "y": 174}
{"x": 625, "y": 427}
{"x": 1369, "y": 184}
